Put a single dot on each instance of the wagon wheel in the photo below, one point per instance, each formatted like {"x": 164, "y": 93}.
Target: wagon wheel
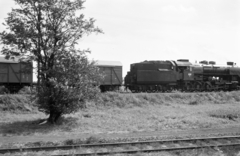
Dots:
{"x": 187, "y": 87}
{"x": 155, "y": 88}
{"x": 208, "y": 87}
{"x": 197, "y": 86}
{"x": 170, "y": 89}
{"x": 149, "y": 89}
{"x": 191, "y": 87}
{"x": 164, "y": 89}
{"x": 137, "y": 89}
{"x": 159, "y": 88}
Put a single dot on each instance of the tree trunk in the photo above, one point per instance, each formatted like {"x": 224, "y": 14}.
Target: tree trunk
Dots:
{"x": 53, "y": 117}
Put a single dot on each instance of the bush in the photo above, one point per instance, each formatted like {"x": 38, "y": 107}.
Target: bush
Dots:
{"x": 27, "y": 90}
{"x": 3, "y": 90}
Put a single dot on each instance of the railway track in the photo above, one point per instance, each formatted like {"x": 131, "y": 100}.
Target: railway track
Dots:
{"x": 136, "y": 147}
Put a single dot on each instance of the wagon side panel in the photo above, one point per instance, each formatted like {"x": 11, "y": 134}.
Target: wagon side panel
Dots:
{"x": 117, "y": 75}
{"x": 3, "y": 73}
{"x": 112, "y": 75}
{"x": 107, "y": 75}
{"x": 26, "y": 73}
{"x": 14, "y": 73}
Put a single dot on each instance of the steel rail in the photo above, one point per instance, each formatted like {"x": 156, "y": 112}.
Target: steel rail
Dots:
{"x": 69, "y": 147}
{"x": 150, "y": 150}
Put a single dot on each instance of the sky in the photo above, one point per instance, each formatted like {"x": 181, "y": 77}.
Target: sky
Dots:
{"x": 139, "y": 30}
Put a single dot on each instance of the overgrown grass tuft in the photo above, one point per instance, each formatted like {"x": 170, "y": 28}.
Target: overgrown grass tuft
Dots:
{"x": 3, "y": 90}
{"x": 16, "y": 103}
{"x": 27, "y": 90}
{"x": 228, "y": 114}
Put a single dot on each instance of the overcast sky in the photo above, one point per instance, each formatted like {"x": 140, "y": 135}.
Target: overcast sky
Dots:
{"x": 138, "y": 30}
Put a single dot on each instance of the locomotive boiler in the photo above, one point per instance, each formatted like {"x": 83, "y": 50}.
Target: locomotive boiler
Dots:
{"x": 162, "y": 76}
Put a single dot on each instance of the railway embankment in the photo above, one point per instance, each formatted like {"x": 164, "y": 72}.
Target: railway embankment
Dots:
{"x": 26, "y": 103}
{"x": 114, "y": 99}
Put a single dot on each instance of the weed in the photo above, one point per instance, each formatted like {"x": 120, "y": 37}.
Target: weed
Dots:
{"x": 193, "y": 102}
{"x": 3, "y": 90}
{"x": 16, "y": 103}
{"x": 92, "y": 140}
{"x": 225, "y": 114}
{"x": 27, "y": 90}
{"x": 87, "y": 115}
{"x": 69, "y": 142}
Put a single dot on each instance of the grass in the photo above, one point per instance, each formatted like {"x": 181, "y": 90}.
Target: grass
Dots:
{"x": 115, "y": 112}
{"x": 229, "y": 114}
{"x": 123, "y": 113}
{"x": 17, "y": 103}
{"x": 140, "y": 99}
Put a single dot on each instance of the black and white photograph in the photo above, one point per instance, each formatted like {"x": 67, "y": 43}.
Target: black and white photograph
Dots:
{"x": 119, "y": 77}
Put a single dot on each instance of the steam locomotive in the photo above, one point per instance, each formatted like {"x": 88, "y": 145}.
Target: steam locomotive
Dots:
{"x": 164, "y": 76}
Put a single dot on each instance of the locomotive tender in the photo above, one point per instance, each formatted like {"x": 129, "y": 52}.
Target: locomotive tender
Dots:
{"x": 162, "y": 76}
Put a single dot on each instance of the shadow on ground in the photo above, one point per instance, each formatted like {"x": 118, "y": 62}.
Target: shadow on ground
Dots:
{"x": 37, "y": 126}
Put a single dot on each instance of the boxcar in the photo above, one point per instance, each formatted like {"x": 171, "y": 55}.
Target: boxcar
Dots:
{"x": 14, "y": 74}
{"x": 112, "y": 72}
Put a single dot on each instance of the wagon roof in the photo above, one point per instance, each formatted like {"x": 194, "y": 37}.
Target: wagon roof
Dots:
{"x": 108, "y": 63}
{"x": 3, "y": 60}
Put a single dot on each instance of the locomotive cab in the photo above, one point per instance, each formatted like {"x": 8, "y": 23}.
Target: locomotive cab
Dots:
{"x": 185, "y": 70}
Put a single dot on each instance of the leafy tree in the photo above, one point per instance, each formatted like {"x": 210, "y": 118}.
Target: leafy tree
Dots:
{"x": 47, "y": 31}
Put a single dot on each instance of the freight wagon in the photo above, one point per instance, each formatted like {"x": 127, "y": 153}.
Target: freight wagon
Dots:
{"x": 112, "y": 72}
{"x": 14, "y": 74}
